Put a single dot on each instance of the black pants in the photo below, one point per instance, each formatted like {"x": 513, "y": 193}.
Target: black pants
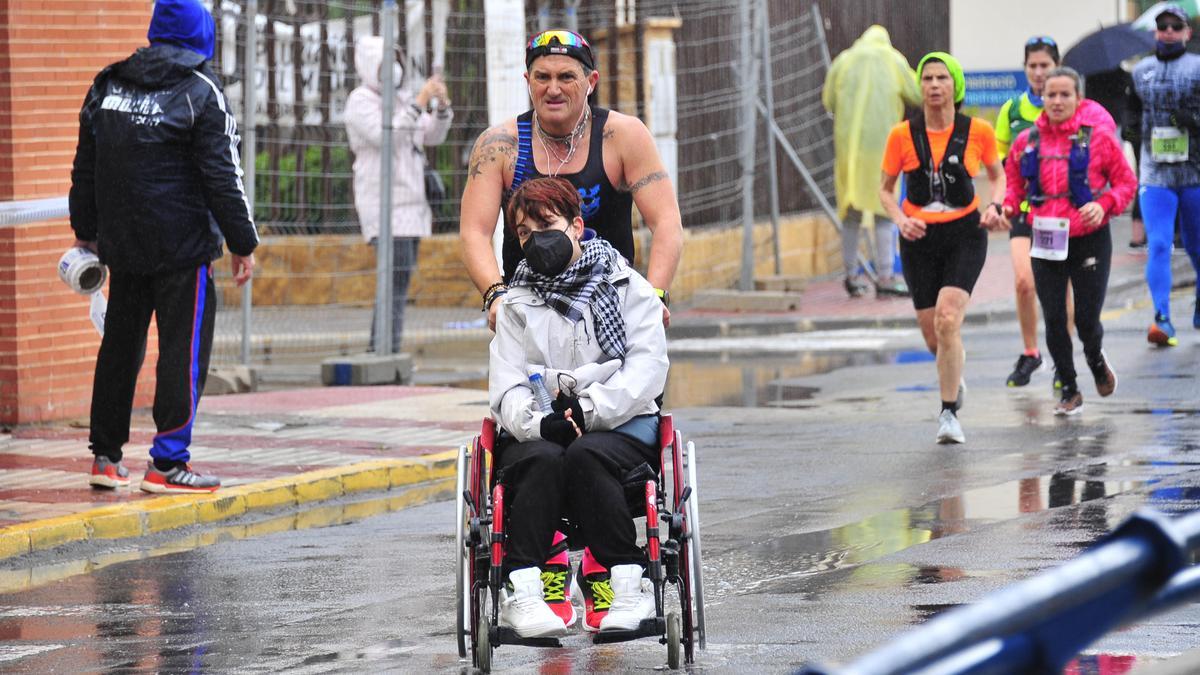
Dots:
{"x": 541, "y": 478}
{"x": 184, "y": 306}
{"x": 1089, "y": 259}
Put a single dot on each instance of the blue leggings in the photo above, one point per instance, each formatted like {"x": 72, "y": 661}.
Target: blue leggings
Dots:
{"x": 1159, "y": 207}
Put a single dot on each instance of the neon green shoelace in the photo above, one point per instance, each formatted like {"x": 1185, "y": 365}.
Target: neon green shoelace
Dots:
{"x": 554, "y": 586}
{"x": 602, "y": 594}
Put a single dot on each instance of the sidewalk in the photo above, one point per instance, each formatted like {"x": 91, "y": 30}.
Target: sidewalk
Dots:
{"x": 285, "y": 448}
{"x": 272, "y": 450}
{"x": 824, "y": 304}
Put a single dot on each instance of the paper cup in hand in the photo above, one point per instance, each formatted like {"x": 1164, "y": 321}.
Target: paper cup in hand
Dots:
{"x": 80, "y": 269}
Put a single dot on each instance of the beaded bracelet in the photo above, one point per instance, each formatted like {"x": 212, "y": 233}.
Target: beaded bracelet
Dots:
{"x": 494, "y": 291}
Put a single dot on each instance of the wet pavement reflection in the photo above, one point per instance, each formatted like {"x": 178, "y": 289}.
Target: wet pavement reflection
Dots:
{"x": 782, "y": 564}
{"x": 765, "y": 382}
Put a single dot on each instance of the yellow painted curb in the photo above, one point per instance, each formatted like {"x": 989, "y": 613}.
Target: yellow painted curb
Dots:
{"x": 137, "y": 518}
{"x": 367, "y": 479}
{"x": 220, "y": 507}
{"x": 115, "y": 522}
{"x": 168, "y": 513}
{"x": 319, "y": 489}
{"x": 51, "y": 532}
{"x": 13, "y": 543}
{"x": 269, "y": 494}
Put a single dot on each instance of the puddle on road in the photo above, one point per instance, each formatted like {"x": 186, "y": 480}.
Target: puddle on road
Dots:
{"x": 765, "y": 382}
{"x": 792, "y": 558}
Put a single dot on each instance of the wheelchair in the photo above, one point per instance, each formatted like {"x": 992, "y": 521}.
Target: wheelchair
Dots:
{"x": 673, "y": 553}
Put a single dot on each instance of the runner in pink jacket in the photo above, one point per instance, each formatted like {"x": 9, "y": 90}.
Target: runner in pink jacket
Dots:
{"x": 1069, "y": 211}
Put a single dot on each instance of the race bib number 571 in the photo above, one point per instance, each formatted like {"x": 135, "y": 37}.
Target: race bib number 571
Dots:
{"x": 1050, "y": 238}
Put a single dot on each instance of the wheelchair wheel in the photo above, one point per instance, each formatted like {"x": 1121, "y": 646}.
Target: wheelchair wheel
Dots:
{"x": 694, "y": 557}
{"x": 483, "y": 643}
{"x": 462, "y": 556}
{"x": 674, "y": 635}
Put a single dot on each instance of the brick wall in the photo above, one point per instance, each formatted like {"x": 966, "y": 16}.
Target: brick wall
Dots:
{"x": 49, "y": 52}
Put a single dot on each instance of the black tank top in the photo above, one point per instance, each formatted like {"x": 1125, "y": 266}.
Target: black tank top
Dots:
{"x": 605, "y": 210}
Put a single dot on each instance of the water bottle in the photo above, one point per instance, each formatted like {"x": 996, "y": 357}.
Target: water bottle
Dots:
{"x": 540, "y": 392}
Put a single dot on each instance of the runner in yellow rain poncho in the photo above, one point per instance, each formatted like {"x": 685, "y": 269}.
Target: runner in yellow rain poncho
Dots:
{"x": 866, "y": 90}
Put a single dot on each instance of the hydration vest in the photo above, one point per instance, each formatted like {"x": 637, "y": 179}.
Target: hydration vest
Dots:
{"x": 1016, "y": 121}
{"x": 1079, "y": 190}
{"x": 948, "y": 183}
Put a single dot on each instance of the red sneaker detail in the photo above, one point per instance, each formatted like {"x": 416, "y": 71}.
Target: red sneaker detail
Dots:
{"x": 555, "y": 581}
{"x": 109, "y": 474}
{"x": 181, "y": 480}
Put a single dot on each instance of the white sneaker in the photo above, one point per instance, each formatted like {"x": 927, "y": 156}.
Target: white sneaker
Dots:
{"x": 949, "y": 429}
{"x": 630, "y": 604}
{"x": 523, "y": 609}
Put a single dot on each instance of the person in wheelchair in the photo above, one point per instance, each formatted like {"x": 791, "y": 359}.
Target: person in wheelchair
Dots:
{"x": 579, "y": 316}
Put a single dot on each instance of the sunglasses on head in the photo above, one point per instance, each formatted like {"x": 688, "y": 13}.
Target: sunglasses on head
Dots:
{"x": 1035, "y": 41}
{"x": 1176, "y": 26}
{"x": 564, "y": 37}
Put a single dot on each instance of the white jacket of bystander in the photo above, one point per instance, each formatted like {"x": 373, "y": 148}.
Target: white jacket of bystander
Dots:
{"x": 412, "y": 130}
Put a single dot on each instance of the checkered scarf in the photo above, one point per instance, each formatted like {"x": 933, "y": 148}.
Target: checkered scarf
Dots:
{"x": 584, "y": 284}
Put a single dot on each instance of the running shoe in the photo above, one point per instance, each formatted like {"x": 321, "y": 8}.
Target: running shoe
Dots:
{"x": 597, "y": 591}
{"x": 855, "y": 287}
{"x": 949, "y": 429}
{"x": 179, "y": 480}
{"x": 1071, "y": 403}
{"x": 1162, "y": 333}
{"x": 1137, "y": 245}
{"x": 1106, "y": 379}
{"x": 108, "y": 474}
{"x": 892, "y": 288}
{"x": 1024, "y": 369}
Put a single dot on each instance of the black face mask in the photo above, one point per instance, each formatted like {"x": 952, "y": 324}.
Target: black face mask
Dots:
{"x": 1169, "y": 50}
{"x": 548, "y": 252}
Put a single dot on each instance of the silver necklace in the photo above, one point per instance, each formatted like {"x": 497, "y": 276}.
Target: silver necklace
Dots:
{"x": 571, "y": 140}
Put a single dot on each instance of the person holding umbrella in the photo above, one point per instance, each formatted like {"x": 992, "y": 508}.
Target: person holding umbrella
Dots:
{"x": 1165, "y": 106}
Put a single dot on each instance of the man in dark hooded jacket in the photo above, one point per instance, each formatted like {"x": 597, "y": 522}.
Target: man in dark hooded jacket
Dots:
{"x": 156, "y": 189}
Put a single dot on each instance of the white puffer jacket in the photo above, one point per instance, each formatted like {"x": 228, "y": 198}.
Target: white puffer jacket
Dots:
{"x": 412, "y": 129}
{"x": 533, "y": 338}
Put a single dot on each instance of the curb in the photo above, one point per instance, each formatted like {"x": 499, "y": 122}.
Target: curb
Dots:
{"x": 759, "y": 325}
{"x": 167, "y": 513}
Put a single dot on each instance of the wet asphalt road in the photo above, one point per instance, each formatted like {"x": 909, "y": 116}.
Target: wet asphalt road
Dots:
{"x": 831, "y": 522}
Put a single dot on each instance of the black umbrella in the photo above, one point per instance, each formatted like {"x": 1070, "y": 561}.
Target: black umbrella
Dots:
{"x": 1107, "y": 48}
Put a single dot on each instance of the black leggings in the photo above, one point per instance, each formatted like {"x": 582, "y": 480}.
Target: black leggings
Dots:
{"x": 1089, "y": 259}
{"x": 540, "y": 478}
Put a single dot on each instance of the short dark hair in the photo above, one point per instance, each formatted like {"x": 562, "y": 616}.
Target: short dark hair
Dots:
{"x": 541, "y": 197}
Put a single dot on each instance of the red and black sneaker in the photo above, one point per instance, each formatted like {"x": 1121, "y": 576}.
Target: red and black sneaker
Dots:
{"x": 597, "y": 591}
{"x": 180, "y": 479}
{"x": 556, "y": 578}
{"x": 108, "y": 474}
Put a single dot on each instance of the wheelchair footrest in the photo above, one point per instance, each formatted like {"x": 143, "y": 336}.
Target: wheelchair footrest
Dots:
{"x": 647, "y": 628}
{"x": 507, "y": 636}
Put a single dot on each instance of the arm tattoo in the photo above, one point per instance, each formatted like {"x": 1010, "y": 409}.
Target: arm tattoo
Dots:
{"x": 609, "y": 132}
{"x": 496, "y": 146}
{"x": 646, "y": 180}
